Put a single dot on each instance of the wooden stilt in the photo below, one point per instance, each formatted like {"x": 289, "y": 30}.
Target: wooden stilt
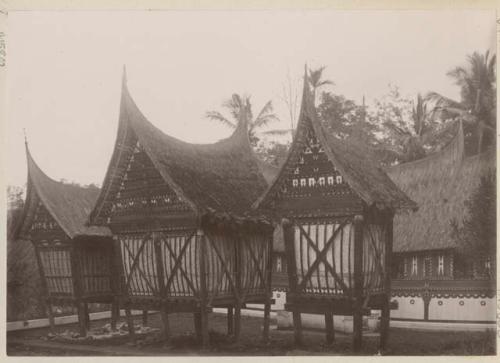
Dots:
{"x": 385, "y": 316}
{"x": 82, "y": 319}
{"x": 384, "y": 326}
{"x": 197, "y": 325}
{"x": 297, "y": 327}
{"x": 203, "y": 290}
{"x": 87, "y": 316}
{"x": 330, "y": 332}
{"x": 144, "y": 318}
{"x": 165, "y": 323}
{"x": 50, "y": 315}
{"x": 130, "y": 321}
{"x": 358, "y": 283}
{"x": 237, "y": 322}
{"x": 204, "y": 327}
{"x": 267, "y": 319}
{"x": 115, "y": 314}
{"x": 230, "y": 321}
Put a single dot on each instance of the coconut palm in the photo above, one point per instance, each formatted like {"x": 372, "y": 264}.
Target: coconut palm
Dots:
{"x": 240, "y": 106}
{"x": 316, "y": 80}
{"x": 477, "y": 107}
{"x": 414, "y": 136}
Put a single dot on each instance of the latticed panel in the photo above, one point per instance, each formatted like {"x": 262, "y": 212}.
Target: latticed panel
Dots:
{"x": 96, "y": 271}
{"x": 221, "y": 265}
{"x": 56, "y": 264}
{"x": 139, "y": 265}
{"x": 255, "y": 263}
{"x": 333, "y": 273}
{"x": 180, "y": 254}
{"x": 374, "y": 246}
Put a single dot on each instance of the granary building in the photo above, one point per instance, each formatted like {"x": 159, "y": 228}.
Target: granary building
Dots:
{"x": 336, "y": 207}
{"x": 178, "y": 212}
{"x": 74, "y": 260}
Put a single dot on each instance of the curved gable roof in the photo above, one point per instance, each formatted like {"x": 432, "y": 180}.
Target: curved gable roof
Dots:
{"x": 70, "y": 205}
{"x": 362, "y": 173}
{"x": 223, "y": 177}
{"x": 440, "y": 183}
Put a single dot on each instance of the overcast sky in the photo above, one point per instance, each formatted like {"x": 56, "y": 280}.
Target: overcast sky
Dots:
{"x": 64, "y": 70}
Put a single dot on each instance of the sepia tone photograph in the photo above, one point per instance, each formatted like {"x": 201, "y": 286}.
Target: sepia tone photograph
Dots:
{"x": 250, "y": 182}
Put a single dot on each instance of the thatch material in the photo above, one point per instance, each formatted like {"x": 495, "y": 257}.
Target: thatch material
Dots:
{"x": 222, "y": 177}
{"x": 367, "y": 179}
{"x": 440, "y": 184}
{"x": 69, "y": 205}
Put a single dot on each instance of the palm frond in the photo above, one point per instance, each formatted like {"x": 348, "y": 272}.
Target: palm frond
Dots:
{"x": 265, "y": 116}
{"x": 217, "y": 116}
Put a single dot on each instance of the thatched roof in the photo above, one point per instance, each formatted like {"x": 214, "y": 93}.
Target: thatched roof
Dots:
{"x": 440, "y": 184}
{"x": 367, "y": 179}
{"x": 220, "y": 177}
{"x": 69, "y": 205}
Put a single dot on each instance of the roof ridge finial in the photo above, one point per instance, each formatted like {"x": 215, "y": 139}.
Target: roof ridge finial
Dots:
{"x": 124, "y": 76}
{"x": 25, "y": 137}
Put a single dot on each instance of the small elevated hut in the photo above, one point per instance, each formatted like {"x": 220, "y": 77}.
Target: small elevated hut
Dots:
{"x": 178, "y": 215}
{"x": 74, "y": 260}
{"x": 337, "y": 208}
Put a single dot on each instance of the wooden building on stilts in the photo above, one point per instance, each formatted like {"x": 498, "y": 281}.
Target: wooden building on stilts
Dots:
{"x": 74, "y": 260}
{"x": 336, "y": 207}
{"x": 183, "y": 240}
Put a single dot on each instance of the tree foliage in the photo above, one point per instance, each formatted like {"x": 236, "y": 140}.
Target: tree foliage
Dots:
{"x": 476, "y": 236}
{"x": 477, "y": 105}
{"x": 240, "y": 108}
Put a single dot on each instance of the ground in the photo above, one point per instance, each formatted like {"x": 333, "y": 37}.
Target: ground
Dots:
{"x": 183, "y": 342}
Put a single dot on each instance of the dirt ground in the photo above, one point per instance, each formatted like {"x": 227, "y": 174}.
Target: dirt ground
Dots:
{"x": 34, "y": 342}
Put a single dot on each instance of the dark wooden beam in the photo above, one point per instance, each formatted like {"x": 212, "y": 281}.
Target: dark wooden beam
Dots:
{"x": 330, "y": 332}
{"x": 358, "y": 283}
{"x": 203, "y": 290}
{"x": 288, "y": 234}
{"x": 385, "y": 315}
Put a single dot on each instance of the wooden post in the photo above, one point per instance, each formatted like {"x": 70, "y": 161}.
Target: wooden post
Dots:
{"x": 144, "y": 318}
{"x": 230, "y": 322}
{"x": 269, "y": 274}
{"x": 330, "y": 332}
{"x": 115, "y": 313}
{"x": 385, "y": 315}
{"x": 238, "y": 268}
{"x": 161, "y": 283}
{"x": 197, "y": 325}
{"x": 116, "y": 281}
{"x": 87, "y": 316}
{"x": 45, "y": 289}
{"x": 130, "y": 321}
{"x": 358, "y": 284}
{"x": 77, "y": 288}
{"x": 165, "y": 322}
{"x": 50, "y": 315}
{"x": 203, "y": 289}
{"x": 289, "y": 236}
{"x": 81, "y": 318}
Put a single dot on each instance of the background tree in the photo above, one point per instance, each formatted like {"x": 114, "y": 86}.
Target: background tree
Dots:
{"x": 405, "y": 128}
{"x": 477, "y": 105}
{"x": 23, "y": 281}
{"x": 476, "y": 237}
{"x": 317, "y": 81}
{"x": 240, "y": 106}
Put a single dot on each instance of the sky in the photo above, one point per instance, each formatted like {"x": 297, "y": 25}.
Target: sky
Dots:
{"x": 65, "y": 69}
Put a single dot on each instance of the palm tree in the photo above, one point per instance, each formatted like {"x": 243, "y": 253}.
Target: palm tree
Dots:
{"x": 414, "y": 137}
{"x": 477, "y": 107}
{"x": 240, "y": 106}
{"x": 316, "y": 80}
